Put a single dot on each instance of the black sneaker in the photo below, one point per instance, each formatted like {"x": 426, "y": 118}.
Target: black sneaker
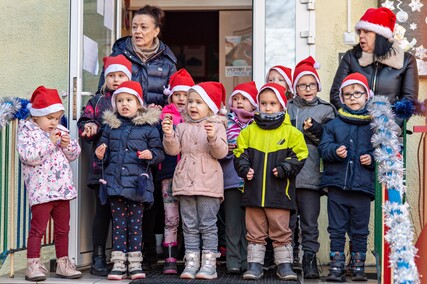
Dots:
{"x": 309, "y": 266}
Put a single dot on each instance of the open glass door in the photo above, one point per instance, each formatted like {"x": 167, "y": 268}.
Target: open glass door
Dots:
{"x": 93, "y": 30}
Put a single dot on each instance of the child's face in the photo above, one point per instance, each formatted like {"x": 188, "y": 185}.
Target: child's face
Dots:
{"x": 307, "y": 82}
{"x": 275, "y": 77}
{"x": 268, "y": 102}
{"x": 354, "y": 96}
{"x": 196, "y": 106}
{"x": 127, "y": 104}
{"x": 179, "y": 99}
{"x": 241, "y": 102}
{"x": 114, "y": 79}
{"x": 48, "y": 123}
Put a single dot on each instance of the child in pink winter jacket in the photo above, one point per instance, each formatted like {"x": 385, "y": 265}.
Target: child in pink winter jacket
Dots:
{"x": 45, "y": 149}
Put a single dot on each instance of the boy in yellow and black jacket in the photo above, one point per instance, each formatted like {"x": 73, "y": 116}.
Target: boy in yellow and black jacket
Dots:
{"x": 270, "y": 153}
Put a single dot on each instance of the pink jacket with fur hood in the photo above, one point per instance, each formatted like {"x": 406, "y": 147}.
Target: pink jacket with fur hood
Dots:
{"x": 198, "y": 172}
{"x": 46, "y": 166}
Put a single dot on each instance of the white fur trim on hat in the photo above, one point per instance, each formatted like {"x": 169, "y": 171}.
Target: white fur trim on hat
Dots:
{"x": 306, "y": 73}
{"x": 287, "y": 79}
{"x": 378, "y": 29}
{"x": 125, "y": 90}
{"x": 118, "y": 68}
{"x": 206, "y": 98}
{"x": 45, "y": 111}
{"x": 245, "y": 94}
{"x": 180, "y": 88}
{"x": 352, "y": 82}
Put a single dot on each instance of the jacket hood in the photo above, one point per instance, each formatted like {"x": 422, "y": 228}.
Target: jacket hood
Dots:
{"x": 395, "y": 60}
{"x": 125, "y": 43}
{"x": 149, "y": 116}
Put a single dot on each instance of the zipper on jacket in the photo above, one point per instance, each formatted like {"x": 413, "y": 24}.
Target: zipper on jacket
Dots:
{"x": 374, "y": 82}
{"x": 346, "y": 174}
{"x": 264, "y": 171}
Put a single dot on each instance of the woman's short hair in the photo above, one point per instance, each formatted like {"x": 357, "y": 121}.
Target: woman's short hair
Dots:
{"x": 155, "y": 12}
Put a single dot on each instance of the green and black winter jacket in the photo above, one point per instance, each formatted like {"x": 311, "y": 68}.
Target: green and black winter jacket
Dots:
{"x": 270, "y": 142}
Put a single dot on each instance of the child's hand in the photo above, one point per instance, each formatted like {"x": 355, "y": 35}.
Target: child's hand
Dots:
{"x": 231, "y": 147}
{"x": 250, "y": 174}
{"x": 211, "y": 130}
{"x": 167, "y": 125}
{"x": 307, "y": 123}
{"x": 55, "y": 136}
{"x": 90, "y": 129}
{"x": 144, "y": 155}
{"x": 159, "y": 107}
{"x": 100, "y": 151}
{"x": 65, "y": 140}
{"x": 365, "y": 159}
{"x": 342, "y": 151}
{"x": 275, "y": 172}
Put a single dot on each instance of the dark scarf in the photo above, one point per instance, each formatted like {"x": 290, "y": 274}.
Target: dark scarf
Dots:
{"x": 269, "y": 121}
{"x": 359, "y": 117}
{"x": 242, "y": 115}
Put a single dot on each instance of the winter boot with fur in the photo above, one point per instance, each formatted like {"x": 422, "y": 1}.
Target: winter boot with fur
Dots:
{"x": 192, "y": 264}
{"x": 283, "y": 257}
{"x": 256, "y": 254}
{"x": 208, "y": 269}
{"x": 358, "y": 266}
{"x": 36, "y": 271}
{"x": 119, "y": 270}
{"x": 99, "y": 265}
{"x": 66, "y": 269}
{"x": 309, "y": 266}
{"x": 337, "y": 269}
{"x": 170, "y": 251}
{"x": 135, "y": 265}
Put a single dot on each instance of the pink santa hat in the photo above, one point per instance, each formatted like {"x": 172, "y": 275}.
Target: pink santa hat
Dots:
{"x": 130, "y": 87}
{"x": 307, "y": 66}
{"x": 45, "y": 101}
{"x": 356, "y": 78}
{"x": 279, "y": 91}
{"x": 378, "y": 20}
{"x": 181, "y": 80}
{"x": 285, "y": 72}
{"x": 213, "y": 94}
{"x": 248, "y": 90}
{"x": 116, "y": 64}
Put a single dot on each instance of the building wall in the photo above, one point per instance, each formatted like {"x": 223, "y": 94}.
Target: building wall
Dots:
{"x": 329, "y": 42}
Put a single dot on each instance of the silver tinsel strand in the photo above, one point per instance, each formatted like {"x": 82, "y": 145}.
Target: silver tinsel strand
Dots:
{"x": 8, "y": 107}
{"x": 391, "y": 172}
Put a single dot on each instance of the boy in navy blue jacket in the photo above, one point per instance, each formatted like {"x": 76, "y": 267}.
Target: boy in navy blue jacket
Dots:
{"x": 347, "y": 154}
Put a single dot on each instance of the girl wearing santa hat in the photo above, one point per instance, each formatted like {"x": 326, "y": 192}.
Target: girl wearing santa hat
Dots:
{"x": 242, "y": 103}
{"x": 129, "y": 146}
{"x": 180, "y": 82}
{"x": 281, "y": 75}
{"x": 198, "y": 179}
{"x": 45, "y": 150}
{"x": 117, "y": 70}
{"x": 390, "y": 71}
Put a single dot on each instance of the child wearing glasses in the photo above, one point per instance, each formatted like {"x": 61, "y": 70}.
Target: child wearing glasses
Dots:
{"x": 308, "y": 113}
{"x": 347, "y": 154}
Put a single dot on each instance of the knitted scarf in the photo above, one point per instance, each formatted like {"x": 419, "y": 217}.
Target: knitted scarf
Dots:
{"x": 359, "y": 117}
{"x": 146, "y": 53}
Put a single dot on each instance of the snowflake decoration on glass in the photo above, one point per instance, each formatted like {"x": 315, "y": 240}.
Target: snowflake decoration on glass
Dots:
{"x": 413, "y": 26}
{"x": 416, "y": 5}
{"x": 388, "y": 4}
{"x": 420, "y": 52}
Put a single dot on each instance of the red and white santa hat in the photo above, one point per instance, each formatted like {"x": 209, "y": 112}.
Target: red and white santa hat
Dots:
{"x": 130, "y": 87}
{"x": 356, "y": 78}
{"x": 116, "y": 64}
{"x": 213, "y": 94}
{"x": 307, "y": 66}
{"x": 279, "y": 91}
{"x": 45, "y": 101}
{"x": 248, "y": 90}
{"x": 285, "y": 72}
{"x": 181, "y": 80}
{"x": 378, "y": 20}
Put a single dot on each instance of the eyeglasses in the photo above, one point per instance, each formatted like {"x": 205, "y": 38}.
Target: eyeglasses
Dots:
{"x": 356, "y": 95}
{"x": 311, "y": 86}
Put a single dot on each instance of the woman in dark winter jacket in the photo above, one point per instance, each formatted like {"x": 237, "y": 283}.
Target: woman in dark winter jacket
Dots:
{"x": 129, "y": 146}
{"x": 391, "y": 72}
{"x": 152, "y": 61}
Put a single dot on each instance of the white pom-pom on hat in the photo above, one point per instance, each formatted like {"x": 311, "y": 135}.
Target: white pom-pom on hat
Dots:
{"x": 167, "y": 91}
{"x": 316, "y": 65}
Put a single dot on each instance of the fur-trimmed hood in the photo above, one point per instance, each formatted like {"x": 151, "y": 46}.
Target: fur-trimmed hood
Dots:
{"x": 395, "y": 60}
{"x": 148, "y": 116}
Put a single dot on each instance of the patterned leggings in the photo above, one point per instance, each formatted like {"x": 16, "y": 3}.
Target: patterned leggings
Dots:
{"x": 127, "y": 224}
{"x": 171, "y": 206}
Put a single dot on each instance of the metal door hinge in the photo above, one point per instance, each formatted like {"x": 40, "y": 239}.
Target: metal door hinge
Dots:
{"x": 310, "y": 4}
